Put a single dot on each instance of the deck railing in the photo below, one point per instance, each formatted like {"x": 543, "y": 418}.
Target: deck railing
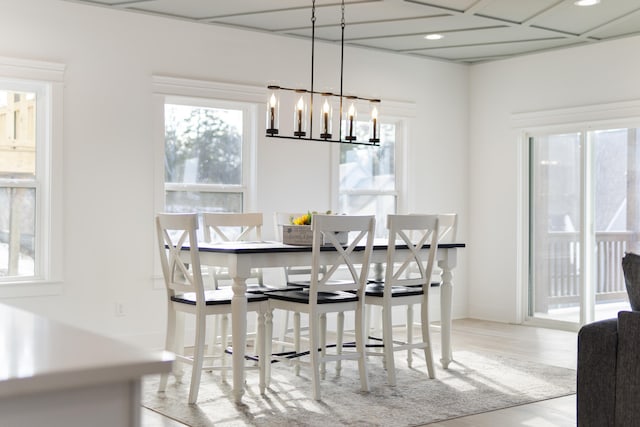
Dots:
{"x": 563, "y": 266}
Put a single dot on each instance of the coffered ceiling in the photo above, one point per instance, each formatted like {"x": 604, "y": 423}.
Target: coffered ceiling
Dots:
{"x": 472, "y": 30}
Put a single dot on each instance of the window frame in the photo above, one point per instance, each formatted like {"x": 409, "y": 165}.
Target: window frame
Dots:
{"x": 46, "y": 80}
{"x": 581, "y": 119}
{"x": 213, "y": 94}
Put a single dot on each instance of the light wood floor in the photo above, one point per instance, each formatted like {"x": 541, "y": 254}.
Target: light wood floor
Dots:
{"x": 547, "y": 346}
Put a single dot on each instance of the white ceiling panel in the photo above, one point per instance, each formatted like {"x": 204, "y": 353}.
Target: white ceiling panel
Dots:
{"x": 473, "y": 30}
{"x": 488, "y": 37}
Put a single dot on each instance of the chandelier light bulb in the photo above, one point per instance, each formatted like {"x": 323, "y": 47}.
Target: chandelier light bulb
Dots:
{"x": 326, "y": 120}
{"x": 300, "y": 118}
{"x": 272, "y": 115}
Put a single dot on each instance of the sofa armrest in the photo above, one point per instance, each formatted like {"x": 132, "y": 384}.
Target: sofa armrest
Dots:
{"x": 628, "y": 369}
{"x": 596, "y": 386}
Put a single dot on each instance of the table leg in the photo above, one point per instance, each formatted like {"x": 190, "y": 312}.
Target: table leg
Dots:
{"x": 447, "y": 263}
{"x": 238, "y": 335}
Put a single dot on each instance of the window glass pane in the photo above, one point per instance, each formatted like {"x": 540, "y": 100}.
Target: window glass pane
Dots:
{"x": 367, "y": 167}
{"x": 17, "y": 231}
{"x": 203, "y": 145}
{"x": 555, "y": 227}
{"x": 617, "y": 213}
{"x": 17, "y": 134}
{"x": 17, "y": 203}
{"x": 370, "y": 204}
{"x": 200, "y": 201}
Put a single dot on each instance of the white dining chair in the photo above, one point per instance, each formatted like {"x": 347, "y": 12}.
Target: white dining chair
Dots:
{"x": 186, "y": 295}
{"x": 407, "y": 281}
{"x": 330, "y": 292}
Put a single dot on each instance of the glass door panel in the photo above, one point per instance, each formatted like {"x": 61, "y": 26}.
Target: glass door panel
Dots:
{"x": 616, "y": 214}
{"x": 555, "y": 205}
{"x": 567, "y": 171}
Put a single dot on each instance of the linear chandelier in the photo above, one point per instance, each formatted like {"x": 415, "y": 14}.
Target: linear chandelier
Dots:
{"x": 303, "y": 108}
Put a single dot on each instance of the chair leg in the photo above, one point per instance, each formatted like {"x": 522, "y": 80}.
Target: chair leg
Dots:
{"x": 323, "y": 345}
{"x": 224, "y": 341}
{"x": 285, "y": 328}
{"x": 314, "y": 353}
{"x": 339, "y": 341}
{"x": 409, "y": 334}
{"x": 198, "y": 355}
{"x": 426, "y": 338}
{"x": 268, "y": 344}
{"x": 387, "y": 339}
{"x": 178, "y": 344}
{"x": 260, "y": 350}
{"x": 361, "y": 349}
{"x": 212, "y": 334}
{"x": 169, "y": 344}
{"x": 367, "y": 322}
{"x": 296, "y": 339}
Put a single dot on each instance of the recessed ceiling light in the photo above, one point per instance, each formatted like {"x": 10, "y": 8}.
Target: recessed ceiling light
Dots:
{"x": 433, "y": 36}
{"x": 586, "y": 2}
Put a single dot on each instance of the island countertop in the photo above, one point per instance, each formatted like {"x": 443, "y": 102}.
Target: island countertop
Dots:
{"x": 41, "y": 355}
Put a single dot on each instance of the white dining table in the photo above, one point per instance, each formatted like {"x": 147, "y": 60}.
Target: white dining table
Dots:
{"x": 241, "y": 257}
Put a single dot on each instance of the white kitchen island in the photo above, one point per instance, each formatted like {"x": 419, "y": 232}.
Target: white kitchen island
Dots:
{"x": 56, "y": 375}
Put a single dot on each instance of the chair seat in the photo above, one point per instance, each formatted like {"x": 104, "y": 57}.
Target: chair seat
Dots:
{"x": 375, "y": 290}
{"x": 433, "y": 284}
{"x": 216, "y": 297}
{"x": 260, "y": 289}
{"x": 306, "y": 283}
{"x": 302, "y": 296}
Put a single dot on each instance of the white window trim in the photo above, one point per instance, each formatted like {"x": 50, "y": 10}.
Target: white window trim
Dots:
{"x": 399, "y": 113}
{"x": 49, "y": 225}
{"x": 535, "y": 123}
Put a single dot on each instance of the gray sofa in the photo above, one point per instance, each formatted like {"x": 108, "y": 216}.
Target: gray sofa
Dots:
{"x": 608, "y": 388}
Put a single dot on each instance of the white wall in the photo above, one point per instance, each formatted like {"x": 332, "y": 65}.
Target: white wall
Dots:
{"x": 108, "y": 174}
{"x": 586, "y": 75}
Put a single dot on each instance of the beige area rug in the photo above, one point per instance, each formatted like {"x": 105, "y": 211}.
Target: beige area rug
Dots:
{"x": 474, "y": 383}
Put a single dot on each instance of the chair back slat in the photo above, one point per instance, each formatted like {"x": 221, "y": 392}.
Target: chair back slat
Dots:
{"x": 227, "y": 227}
{"x": 174, "y": 231}
{"x": 415, "y": 266}
{"x": 325, "y": 233}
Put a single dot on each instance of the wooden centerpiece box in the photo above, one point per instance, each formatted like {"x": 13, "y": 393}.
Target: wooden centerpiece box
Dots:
{"x": 301, "y": 235}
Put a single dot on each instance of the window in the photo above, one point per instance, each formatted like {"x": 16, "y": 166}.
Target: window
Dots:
{"x": 367, "y": 176}
{"x": 204, "y": 158}
{"x": 30, "y": 219}
{"x": 205, "y": 145}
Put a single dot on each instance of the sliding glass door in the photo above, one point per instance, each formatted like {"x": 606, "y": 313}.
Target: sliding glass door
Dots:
{"x": 584, "y": 213}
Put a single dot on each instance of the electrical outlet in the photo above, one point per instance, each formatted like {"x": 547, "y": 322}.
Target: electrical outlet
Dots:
{"x": 119, "y": 309}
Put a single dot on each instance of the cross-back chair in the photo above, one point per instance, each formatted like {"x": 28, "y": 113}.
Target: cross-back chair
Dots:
{"x": 407, "y": 281}
{"x": 186, "y": 295}
{"x": 330, "y": 292}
